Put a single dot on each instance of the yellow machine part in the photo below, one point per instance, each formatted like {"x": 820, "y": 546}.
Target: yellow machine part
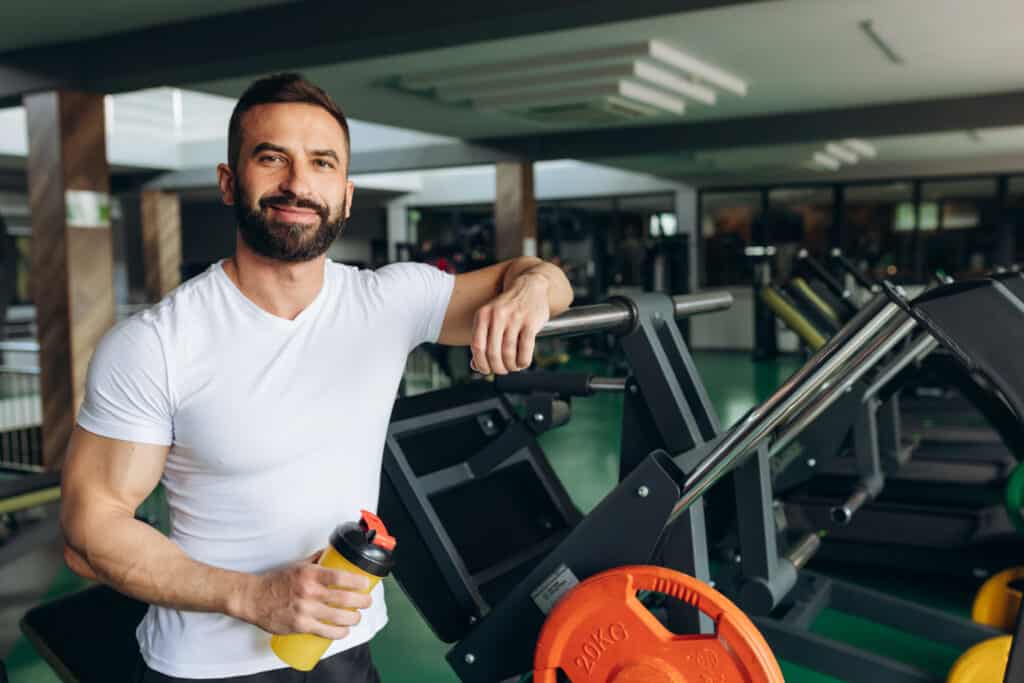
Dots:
{"x": 983, "y": 663}
{"x": 804, "y": 329}
{"x": 30, "y": 500}
{"x": 997, "y": 603}
{"x": 819, "y": 303}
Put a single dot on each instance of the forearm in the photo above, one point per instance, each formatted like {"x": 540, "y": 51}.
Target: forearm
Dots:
{"x": 141, "y": 562}
{"x": 559, "y": 290}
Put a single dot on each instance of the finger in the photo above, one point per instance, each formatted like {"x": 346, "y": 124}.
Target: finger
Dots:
{"x": 322, "y": 629}
{"x": 495, "y": 336}
{"x": 510, "y": 345}
{"x": 527, "y": 344}
{"x": 339, "y": 579}
{"x": 478, "y": 346}
{"x": 346, "y": 599}
{"x": 333, "y": 616}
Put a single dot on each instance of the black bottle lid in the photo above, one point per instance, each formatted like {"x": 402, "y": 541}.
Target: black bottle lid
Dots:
{"x": 366, "y": 544}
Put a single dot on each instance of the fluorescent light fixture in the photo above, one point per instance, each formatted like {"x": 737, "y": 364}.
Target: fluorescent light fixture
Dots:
{"x": 865, "y": 149}
{"x": 503, "y": 86}
{"x": 655, "y": 51}
{"x": 838, "y": 152}
{"x": 625, "y": 89}
{"x": 706, "y": 72}
{"x": 561, "y": 61}
{"x": 669, "y": 81}
{"x": 826, "y": 161}
{"x": 644, "y": 72}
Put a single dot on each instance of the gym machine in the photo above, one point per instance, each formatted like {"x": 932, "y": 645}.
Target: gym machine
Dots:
{"x": 493, "y": 608}
{"x": 940, "y": 509}
{"x": 19, "y": 493}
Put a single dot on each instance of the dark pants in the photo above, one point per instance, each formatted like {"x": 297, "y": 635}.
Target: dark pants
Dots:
{"x": 351, "y": 666}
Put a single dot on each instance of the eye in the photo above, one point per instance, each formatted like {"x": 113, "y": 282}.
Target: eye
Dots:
{"x": 324, "y": 163}
{"x": 271, "y": 158}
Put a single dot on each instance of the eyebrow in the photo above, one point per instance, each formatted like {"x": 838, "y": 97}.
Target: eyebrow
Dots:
{"x": 324, "y": 153}
{"x": 270, "y": 147}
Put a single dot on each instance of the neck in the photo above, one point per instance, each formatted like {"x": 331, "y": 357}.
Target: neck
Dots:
{"x": 280, "y": 288}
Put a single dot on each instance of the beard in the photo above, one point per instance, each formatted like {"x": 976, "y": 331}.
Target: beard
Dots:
{"x": 282, "y": 241}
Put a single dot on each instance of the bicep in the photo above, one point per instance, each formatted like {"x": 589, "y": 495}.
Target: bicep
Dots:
{"x": 107, "y": 475}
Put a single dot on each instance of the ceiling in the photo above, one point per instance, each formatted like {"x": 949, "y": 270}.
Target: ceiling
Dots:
{"x": 796, "y": 55}
{"x": 33, "y": 24}
{"x": 799, "y": 58}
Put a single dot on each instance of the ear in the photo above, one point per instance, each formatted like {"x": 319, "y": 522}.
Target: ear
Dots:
{"x": 226, "y": 183}
{"x": 349, "y": 190}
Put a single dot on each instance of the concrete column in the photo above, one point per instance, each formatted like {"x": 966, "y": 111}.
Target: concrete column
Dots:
{"x": 161, "y": 242}
{"x": 72, "y": 255}
{"x": 688, "y": 222}
{"x": 398, "y": 227}
{"x": 515, "y": 210}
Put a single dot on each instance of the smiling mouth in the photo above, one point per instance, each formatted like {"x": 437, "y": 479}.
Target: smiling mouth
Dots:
{"x": 294, "y": 211}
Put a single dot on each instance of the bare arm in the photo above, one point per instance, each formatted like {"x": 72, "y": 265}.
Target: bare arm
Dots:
{"x": 104, "y": 482}
{"x": 499, "y": 310}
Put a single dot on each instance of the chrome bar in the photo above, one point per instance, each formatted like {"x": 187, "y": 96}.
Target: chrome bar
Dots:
{"x": 842, "y": 514}
{"x": 921, "y": 348}
{"x": 617, "y": 316}
{"x": 800, "y": 554}
{"x": 613, "y": 316}
{"x": 706, "y": 302}
{"x": 793, "y": 396}
{"x": 610, "y": 384}
{"x": 865, "y": 359}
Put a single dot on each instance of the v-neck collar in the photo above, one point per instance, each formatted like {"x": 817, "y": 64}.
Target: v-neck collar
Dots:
{"x": 285, "y": 323}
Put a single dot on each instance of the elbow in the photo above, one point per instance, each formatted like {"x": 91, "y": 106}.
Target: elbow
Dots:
{"x": 73, "y": 530}
{"x": 78, "y": 564}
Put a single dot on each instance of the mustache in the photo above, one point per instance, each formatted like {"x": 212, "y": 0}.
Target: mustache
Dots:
{"x": 294, "y": 202}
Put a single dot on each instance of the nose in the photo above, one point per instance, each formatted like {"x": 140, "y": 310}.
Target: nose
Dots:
{"x": 296, "y": 182}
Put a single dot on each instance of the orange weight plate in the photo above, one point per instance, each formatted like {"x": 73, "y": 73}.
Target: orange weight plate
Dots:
{"x": 601, "y": 633}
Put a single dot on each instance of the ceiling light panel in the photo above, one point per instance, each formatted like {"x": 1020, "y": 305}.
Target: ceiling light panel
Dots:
{"x": 625, "y": 89}
{"x": 826, "y": 161}
{"x": 651, "y": 76}
{"x": 841, "y": 153}
{"x": 861, "y": 147}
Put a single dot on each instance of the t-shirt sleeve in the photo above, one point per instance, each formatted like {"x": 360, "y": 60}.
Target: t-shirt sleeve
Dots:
{"x": 127, "y": 392}
{"x": 422, "y": 293}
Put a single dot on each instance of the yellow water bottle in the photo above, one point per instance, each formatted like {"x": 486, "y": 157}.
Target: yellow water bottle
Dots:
{"x": 362, "y": 547}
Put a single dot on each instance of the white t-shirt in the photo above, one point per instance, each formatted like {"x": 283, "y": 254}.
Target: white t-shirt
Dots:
{"x": 276, "y": 430}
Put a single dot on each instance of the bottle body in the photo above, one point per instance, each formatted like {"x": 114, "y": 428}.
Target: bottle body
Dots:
{"x": 363, "y": 547}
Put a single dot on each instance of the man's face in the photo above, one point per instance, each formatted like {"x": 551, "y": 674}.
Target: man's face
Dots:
{"x": 290, "y": 189}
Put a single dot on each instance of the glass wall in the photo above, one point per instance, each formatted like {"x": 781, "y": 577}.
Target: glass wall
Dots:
{"x": 814, "y": 208}
{"x": 726, "y": 224}
{"x": 960, "y": 232}
{"x": 906, "y": 231}
{"x": 602, "y": 244}
{"x": 877, "y": 232}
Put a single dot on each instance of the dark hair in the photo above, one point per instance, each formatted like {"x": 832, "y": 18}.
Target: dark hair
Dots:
{"x": 287, "y": 87}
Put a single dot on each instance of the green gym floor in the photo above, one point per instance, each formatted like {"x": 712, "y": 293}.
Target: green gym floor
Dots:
{"x": 584, "y": 454}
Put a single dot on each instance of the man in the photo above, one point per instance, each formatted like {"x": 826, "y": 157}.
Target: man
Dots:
{"x": 259, "y": 394}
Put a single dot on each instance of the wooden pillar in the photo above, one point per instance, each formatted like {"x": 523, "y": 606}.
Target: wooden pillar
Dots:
{"x": 72, "y": 258}
{"x": 515, "y": 211}
{"x": 161, "y": 243}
